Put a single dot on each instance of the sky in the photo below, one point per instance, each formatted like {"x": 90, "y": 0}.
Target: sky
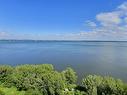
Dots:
{"x": 63, "y": 19}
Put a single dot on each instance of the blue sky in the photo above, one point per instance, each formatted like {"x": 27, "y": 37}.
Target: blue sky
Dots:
{"x": 62, "y": 19}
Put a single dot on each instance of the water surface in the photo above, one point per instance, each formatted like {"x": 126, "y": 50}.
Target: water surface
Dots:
{"x": 101, "y": 58}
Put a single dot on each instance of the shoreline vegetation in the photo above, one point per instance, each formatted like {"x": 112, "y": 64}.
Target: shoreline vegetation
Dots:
{"x": 43, "y": 79}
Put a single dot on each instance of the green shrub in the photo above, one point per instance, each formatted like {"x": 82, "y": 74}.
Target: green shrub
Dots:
{"x": 32, "y": 92}
{"x": 78, "y": 92}
{"x": 111, "y": 86}
{"x": 5, "y": 72}
{"x": 10, "y": 91}
{"x": 70, "y": 76}
{"x": 44, "y": 80}
{"x": 1, "y": 92}
{"x": 26, "y": 76}
{"x": 125, "y": 89}
{"x": 52, "y": 84}
{"x": 96, "y": 85}
{"x": 41, "y": 77}
{"x": 91, "y": 83}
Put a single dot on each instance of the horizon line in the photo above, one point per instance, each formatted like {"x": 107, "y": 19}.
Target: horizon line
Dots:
{"x": 64, "y": 40}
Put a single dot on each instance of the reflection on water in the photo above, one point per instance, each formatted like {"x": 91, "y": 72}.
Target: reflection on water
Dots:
{"x": 103, "y": 58}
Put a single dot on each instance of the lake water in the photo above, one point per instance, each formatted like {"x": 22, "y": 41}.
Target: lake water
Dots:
{"x": 101, "y": 58}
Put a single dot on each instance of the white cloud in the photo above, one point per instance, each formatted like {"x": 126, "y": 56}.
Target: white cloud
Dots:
{"x": 123, "y": 6}
{"x": 90, "y": 24}
{"x": 110, "y": 18}
{"x": 108, "y": 26}
{"x": 112, "y": 25}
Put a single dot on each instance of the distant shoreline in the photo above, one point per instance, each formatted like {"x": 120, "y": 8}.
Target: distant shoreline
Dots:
{"x": 12, "y": 40}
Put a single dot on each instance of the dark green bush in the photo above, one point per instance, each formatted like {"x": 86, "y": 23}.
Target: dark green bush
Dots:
{"x": 5, "y": 72}
{"x": 125, "y": 89}
{"x": 1, "y": 92}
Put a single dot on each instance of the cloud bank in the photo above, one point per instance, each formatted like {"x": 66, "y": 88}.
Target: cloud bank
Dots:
{"x": 109, "y": 25}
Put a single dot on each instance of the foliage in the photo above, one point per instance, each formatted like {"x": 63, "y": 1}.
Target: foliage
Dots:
{"x": 44, "y": 80}
{"x": 10, "y": 91}
{"x": 91, "y": 83}
{"x": 52, "y": 84}
{"x": 70, "y": 75}
{"x": 125, "y": 89}
{"x": 26, "y": 76}
{"x": 32, "y": 92}
{"x": 97, "y": 85}
{"x": 5, "y": 71}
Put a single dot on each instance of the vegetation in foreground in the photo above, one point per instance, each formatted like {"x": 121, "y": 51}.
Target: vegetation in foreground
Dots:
{"x": 44, "y": 80}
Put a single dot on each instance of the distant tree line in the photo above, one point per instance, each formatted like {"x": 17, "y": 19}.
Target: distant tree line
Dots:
{"x": 44, "y": 80}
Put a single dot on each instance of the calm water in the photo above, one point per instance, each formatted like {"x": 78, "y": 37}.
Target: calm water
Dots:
{"x": 103, "y": 58}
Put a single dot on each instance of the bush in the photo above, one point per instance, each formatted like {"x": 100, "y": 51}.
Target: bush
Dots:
{"x": 125, "y": 89}
{"x": 44, "y": 80}
{"x": 41, "y": 77}
{"x": 32, "y": 92}
{"x": 70, "y": 76}
{"x": 5, "y": 72}
{"x": 96, "y": 85}
{"x": 91, "y": 84}
{"x": 111, "y": 86}
{"x": 1, "y": 92}
{"x": 52, "y": 84}
{"x": 10, "y": 91}
{"x": 26, "y": 76}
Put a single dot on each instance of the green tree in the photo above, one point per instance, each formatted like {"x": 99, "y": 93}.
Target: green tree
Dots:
{"x": 91, "y": 84}
{"x": 53, "y": 84}
{"x": 97, "y": 85}
{"x": 70, "y": 76}
{"x": 111, "y": 86}
{"x": 25, "y": 76}
{"x": 44, "y": 80}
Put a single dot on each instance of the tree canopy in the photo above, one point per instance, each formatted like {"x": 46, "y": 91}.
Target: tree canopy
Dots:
{"x": 43, "y": 79}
